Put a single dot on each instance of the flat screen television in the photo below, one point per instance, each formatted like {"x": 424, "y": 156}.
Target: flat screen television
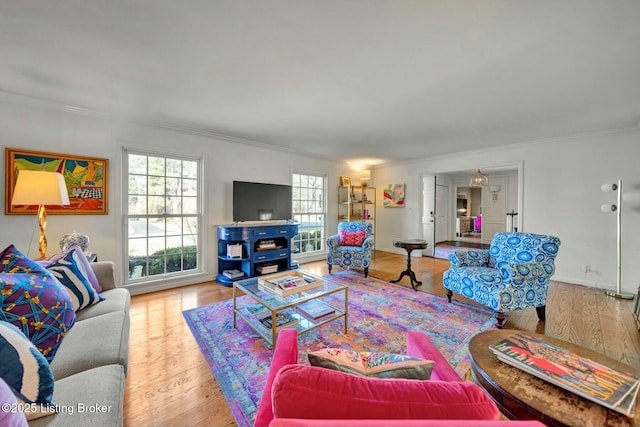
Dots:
{"x": 255, "y": 201}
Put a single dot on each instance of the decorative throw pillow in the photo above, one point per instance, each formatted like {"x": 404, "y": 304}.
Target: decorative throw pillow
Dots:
{"x": 26, "y": 372}
{"x": 10, "y": 416}
{"x": 352, "y": 238}
{"x": 33, "y": 300}
{"x": 331, "y": 394}
{"x": 82, "y": 259}
{"x": 71, "y": 272}
{"x": 370, "y": 364}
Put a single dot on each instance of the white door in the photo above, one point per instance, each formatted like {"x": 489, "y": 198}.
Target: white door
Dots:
{"x": 428, "y": 213}
{"x": 442, "y": 213}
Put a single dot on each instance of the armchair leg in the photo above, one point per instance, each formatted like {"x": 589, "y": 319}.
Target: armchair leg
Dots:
{"x": 329, "y": 268}
{"x": 366, "y": 272}
{"x": 542, "y": 313}
{"x": 499, "y": 319}
{"x": 449, "y": 295}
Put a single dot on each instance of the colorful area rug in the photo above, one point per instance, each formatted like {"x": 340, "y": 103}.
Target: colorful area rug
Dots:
{"x": 380, "y": 314}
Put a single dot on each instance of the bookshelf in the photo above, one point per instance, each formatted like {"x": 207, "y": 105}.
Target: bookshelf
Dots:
{"x": 262, "y": 249}
{"x": 357, "y": 203}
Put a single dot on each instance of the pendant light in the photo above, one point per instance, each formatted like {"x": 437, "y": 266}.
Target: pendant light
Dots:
{"x": 479, "y": 179}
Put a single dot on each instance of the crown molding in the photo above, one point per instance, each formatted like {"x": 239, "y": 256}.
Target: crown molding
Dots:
{"x": 32, "y": 101}
{"x": 522, "y": 144}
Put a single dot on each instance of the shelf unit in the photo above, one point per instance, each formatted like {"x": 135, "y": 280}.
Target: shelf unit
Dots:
{"x": 357, "y": 203}
{"x": 262, "y": 245}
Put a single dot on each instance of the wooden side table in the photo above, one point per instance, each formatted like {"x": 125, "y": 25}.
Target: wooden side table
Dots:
{"x": 410, "y": 245}
{"x": 522, "y": 396}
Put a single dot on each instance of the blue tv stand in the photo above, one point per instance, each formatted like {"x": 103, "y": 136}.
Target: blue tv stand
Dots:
{"x": 262, "y": 246}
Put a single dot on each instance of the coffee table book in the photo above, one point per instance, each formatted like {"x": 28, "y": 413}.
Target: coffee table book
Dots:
{"x": 284, "y": 319}
{"x": 288, "y": 283}
{"x": 233, "y": 274}
{"x": 608, "y": 387}
{"x": 315, "y": 309}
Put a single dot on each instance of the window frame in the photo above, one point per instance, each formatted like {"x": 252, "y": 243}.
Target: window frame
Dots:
{"x": 199, "y": 215}
{"x": 300, "y": 254}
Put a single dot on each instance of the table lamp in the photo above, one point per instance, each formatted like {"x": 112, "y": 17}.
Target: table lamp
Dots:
{"x": 40, "y": 188}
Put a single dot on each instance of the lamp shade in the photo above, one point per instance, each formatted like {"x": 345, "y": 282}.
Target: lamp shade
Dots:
{"x": 40, "y": 188}
{"x": 608, "y": 187}
{"x": 365, "y": 176}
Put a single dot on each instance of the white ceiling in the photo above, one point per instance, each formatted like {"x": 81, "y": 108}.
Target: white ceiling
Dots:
{"x": 341, "y": 79}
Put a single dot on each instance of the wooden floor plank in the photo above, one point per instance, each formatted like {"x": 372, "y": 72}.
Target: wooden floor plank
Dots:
{"x": 170, "y": 384}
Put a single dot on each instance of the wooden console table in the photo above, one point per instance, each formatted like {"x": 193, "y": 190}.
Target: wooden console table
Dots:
{"x": 522, "y": 396}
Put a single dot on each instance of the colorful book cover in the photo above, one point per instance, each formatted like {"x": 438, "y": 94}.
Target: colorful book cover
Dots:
{"x": 315, "y": 309}
{"x": 283, "y": 319}
{"x": 256, "y": 309}
{"x": 608, "y": 387}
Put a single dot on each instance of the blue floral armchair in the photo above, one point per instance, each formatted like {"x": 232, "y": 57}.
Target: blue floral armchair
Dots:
{"x": 352, "y": 246}
{"x": 512, "y": 274}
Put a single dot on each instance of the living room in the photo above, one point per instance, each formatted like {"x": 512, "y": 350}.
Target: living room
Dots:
{"x": 560, "y": 168}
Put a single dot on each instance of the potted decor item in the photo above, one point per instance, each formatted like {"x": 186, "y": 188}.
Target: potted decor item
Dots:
{"x": 76, "y": 238}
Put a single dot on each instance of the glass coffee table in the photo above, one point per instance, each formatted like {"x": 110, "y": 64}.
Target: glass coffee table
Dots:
{"x": 306, "y": 310}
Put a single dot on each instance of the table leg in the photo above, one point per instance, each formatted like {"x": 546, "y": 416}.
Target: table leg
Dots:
{"x": 409, "y": 272}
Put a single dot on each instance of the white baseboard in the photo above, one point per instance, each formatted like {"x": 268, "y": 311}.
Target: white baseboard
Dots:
{"x": 162, "y": 284}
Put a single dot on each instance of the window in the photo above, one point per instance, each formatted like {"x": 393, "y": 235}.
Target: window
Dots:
{"x": 163, "y": 215}
{"x": 309, "y": 210}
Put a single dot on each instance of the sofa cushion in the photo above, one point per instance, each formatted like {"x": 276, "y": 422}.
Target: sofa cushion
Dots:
{"x": 98, "y": 341}
{"x": 72, "y": 271}
{"x": 10, "y": 416}
{"x": 26, "y": 372}
{"x": 331, "y": 394}
{"x": 33, "y": 300}
{"x": 82, "y": 260}
{"x": 114, "y": 300}
{"x": 352, "y": 238}
{"x": 95, "y": 398}
{"x": 372, "y": 364}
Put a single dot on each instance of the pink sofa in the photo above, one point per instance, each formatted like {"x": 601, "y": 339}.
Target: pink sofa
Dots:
{"x": 299, "y": 395}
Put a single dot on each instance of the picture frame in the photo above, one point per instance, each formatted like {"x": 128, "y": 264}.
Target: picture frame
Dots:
{"x": 86, "y": 179}
{"x": 393, "y": 196}
{"x": 345, "y": 181}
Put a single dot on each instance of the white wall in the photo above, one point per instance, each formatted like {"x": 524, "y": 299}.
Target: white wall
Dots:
{"x": 561, "y": 196}
{"x": 561, "y": 186}
{"x": 32, "y": 125}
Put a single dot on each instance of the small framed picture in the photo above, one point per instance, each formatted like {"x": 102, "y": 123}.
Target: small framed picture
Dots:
{"x": 345, "y": 180}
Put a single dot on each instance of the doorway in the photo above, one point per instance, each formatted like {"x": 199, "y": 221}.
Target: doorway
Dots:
{"x": 486, "y": 207}
{"x": 468, "y": 215}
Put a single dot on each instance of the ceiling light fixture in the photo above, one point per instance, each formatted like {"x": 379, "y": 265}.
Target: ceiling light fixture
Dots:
{"x": 479, "y": 179}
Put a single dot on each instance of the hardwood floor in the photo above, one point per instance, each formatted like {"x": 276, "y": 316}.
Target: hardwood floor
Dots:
{"x": 170, "y": 384}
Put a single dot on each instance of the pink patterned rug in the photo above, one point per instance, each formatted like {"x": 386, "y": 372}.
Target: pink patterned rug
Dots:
{"x": 380, "y": 314}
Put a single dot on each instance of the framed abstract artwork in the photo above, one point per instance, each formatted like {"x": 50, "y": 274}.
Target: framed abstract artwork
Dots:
{"x": 393, "y": 196}
{"x": 86, "y": 179}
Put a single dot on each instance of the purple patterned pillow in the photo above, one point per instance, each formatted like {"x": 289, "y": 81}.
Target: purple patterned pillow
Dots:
{"x": 33, "y": 300}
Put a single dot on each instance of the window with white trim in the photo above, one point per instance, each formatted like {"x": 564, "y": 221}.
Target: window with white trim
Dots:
{"x": 162, "y": 215}
{"x": 309, "y": 210}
